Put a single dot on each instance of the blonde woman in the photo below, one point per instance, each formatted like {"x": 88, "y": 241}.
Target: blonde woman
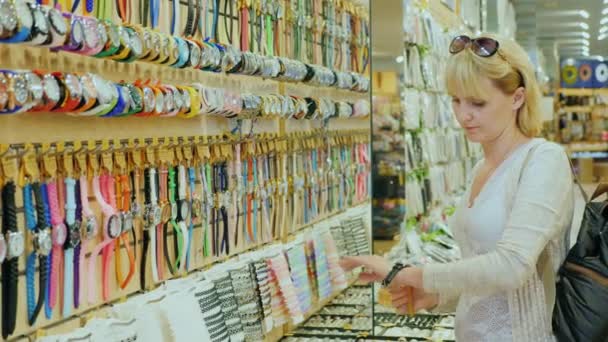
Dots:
{"x": 512, "y": 223}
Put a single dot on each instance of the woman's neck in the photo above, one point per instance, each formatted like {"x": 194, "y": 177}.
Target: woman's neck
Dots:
{"x": 497, "y": 150}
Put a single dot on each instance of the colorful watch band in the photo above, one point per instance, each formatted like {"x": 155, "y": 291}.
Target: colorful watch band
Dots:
{"x": 70, "y": 210}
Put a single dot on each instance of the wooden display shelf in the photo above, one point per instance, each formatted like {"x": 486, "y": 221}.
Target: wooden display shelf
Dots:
{"x": 582, "y": 91}
{"x": 577, "y": 109}
{"x": 586, "y": 147}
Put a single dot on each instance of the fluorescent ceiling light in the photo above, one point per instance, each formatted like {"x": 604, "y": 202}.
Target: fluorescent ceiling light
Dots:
{"x": 553, "y": 35}
{"x": 582, "y": 13}
{"x": 399, "y": 59}
{"x": 552, "y": 25}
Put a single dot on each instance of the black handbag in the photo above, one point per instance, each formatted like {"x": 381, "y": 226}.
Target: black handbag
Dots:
{"x": 581, "y": 302}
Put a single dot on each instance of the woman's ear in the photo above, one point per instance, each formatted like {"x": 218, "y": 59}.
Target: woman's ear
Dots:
{"x": 519, "y": 98}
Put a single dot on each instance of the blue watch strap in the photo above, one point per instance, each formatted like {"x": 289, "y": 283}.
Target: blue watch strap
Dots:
{"x": 184, "y": 52}
{"x": 120, "y": 104}
{"x": 30, "y": 273}
{"x": 154, "y": 12}
{"x": 47, "y": 217}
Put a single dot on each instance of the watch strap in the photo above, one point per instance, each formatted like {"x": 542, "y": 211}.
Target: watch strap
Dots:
{"x": 393, "y": 273}
{"x": 68, "y": 282}
{"x": 10, "y": 270}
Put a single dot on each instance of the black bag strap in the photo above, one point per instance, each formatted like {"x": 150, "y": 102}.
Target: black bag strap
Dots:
{"x": 580, "y": 187}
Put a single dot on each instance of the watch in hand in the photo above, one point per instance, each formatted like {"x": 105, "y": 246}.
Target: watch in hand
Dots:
{"x": 393, "y": 273}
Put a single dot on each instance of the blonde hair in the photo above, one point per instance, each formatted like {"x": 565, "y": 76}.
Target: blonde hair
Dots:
{"x": 509, "y": 69}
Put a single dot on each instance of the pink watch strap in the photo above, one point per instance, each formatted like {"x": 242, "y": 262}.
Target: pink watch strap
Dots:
{"x": 55, "y": 220}
{"x": 108, "y": 212}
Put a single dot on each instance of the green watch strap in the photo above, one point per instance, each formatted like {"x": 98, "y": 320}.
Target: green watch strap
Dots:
{"x": 176, "y": 229}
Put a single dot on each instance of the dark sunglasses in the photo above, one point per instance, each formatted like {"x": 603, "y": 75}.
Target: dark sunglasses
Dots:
{"x": 482, "y": 46}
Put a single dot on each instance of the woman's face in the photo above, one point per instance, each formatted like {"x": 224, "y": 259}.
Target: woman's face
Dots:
{"x": 485, "y": 119}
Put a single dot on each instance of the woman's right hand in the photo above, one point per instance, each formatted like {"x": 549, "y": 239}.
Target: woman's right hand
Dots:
{"x": 421, "y": 300}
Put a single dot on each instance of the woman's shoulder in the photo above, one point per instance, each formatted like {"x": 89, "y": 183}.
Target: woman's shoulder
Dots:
{"x": 548, "y": 146}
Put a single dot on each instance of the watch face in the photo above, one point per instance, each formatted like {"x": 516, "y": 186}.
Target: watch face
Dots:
{"x": 173, "y": 211}
{"x": 126, "y": 97}
{"x": 135, "y": 210}
{"x": 74, "y": 234}
{"x": 160, "y": 102}
{"x": 157, "y": 215}
{"x": 113, "y": 34}
{"x": 34, "y": 84}
{"x": 104, "y": 93}
{"x": 124, "y": 36}
{"x": 15, "y": 244}
{"x": 40, "y": 20}
{"x": 195, "y": 55}
{"x": 59, "y": 234}
{"x": 2, "y": 248}
{"x": 57, "y": 21}
{"x": 88, "y": 88}
{"x": 127, "y": 221}
{"x": 114, "y": 226}
{"x": 169, "y": 102}
{"x": 77, "y": 31}
{"x": 74, "y": 87}
{"x": 8, "y": 15}
{"x": 186, "y": 100}
{"x": 136, "y": 43}
{"x": 166, "y": 46}
{"x": 89, "y": 228}
{"x": 147, "y": 40}
{"x": 177, "y": 97}
{"x": 156, "y": 44}
{"x": 91, "y": 34}
{"x": 184, "y": 210}
{"x": 24, "y": 14}
{"x": 197, "y": 208}
{"x": 43, "y": 242}
{"x": 149, "y": 100}
{"x": 102, "y": 33}
{"x": 3, "y": 91}
{"x": 20, "y": 88}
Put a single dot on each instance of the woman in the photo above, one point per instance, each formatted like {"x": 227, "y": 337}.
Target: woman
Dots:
{"x": 512, "y": 223}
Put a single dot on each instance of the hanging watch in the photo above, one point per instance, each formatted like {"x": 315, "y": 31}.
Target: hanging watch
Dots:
{"x": 76, "y": 36}
{"x": 39, "y": 34}
{"x": 19, "y": 23}
{"x": 58, "y": 27}
{"x": 112, "y": 39}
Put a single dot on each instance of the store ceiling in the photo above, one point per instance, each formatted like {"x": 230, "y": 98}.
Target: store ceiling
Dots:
{"x": 387, "y": 34}
{"x": 570, "y": 28}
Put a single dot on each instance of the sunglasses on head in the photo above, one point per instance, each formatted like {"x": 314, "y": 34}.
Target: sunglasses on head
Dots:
{"x": 482, "y": 46}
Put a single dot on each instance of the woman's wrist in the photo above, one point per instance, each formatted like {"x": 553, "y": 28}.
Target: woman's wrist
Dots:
{"x": 410, "y": 276}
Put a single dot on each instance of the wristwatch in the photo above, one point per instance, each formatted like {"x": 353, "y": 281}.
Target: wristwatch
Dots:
{"x": 16, "y": 91}
{"x": 183, "y": 52}
{"x": 136, "y": 43}
{"x": 75, "y": 42}
{"x": 58, "y": 27}
{"x": 34, "y": 85}
{"x": 42, "y": 243}
{"x": 39, "y": 34}
{"x": 112, "y": 44}
{"x": 95, "y": 36}
{"x": 10, "y": 267}
{"x": 137, "y": 98}
{"x": 393, "y": 273}
{"x": 17, "y": 20}
{"x": 73, "y": 87}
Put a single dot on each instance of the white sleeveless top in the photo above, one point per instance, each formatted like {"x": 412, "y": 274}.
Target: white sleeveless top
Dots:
{"x": 513, "y": 228}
